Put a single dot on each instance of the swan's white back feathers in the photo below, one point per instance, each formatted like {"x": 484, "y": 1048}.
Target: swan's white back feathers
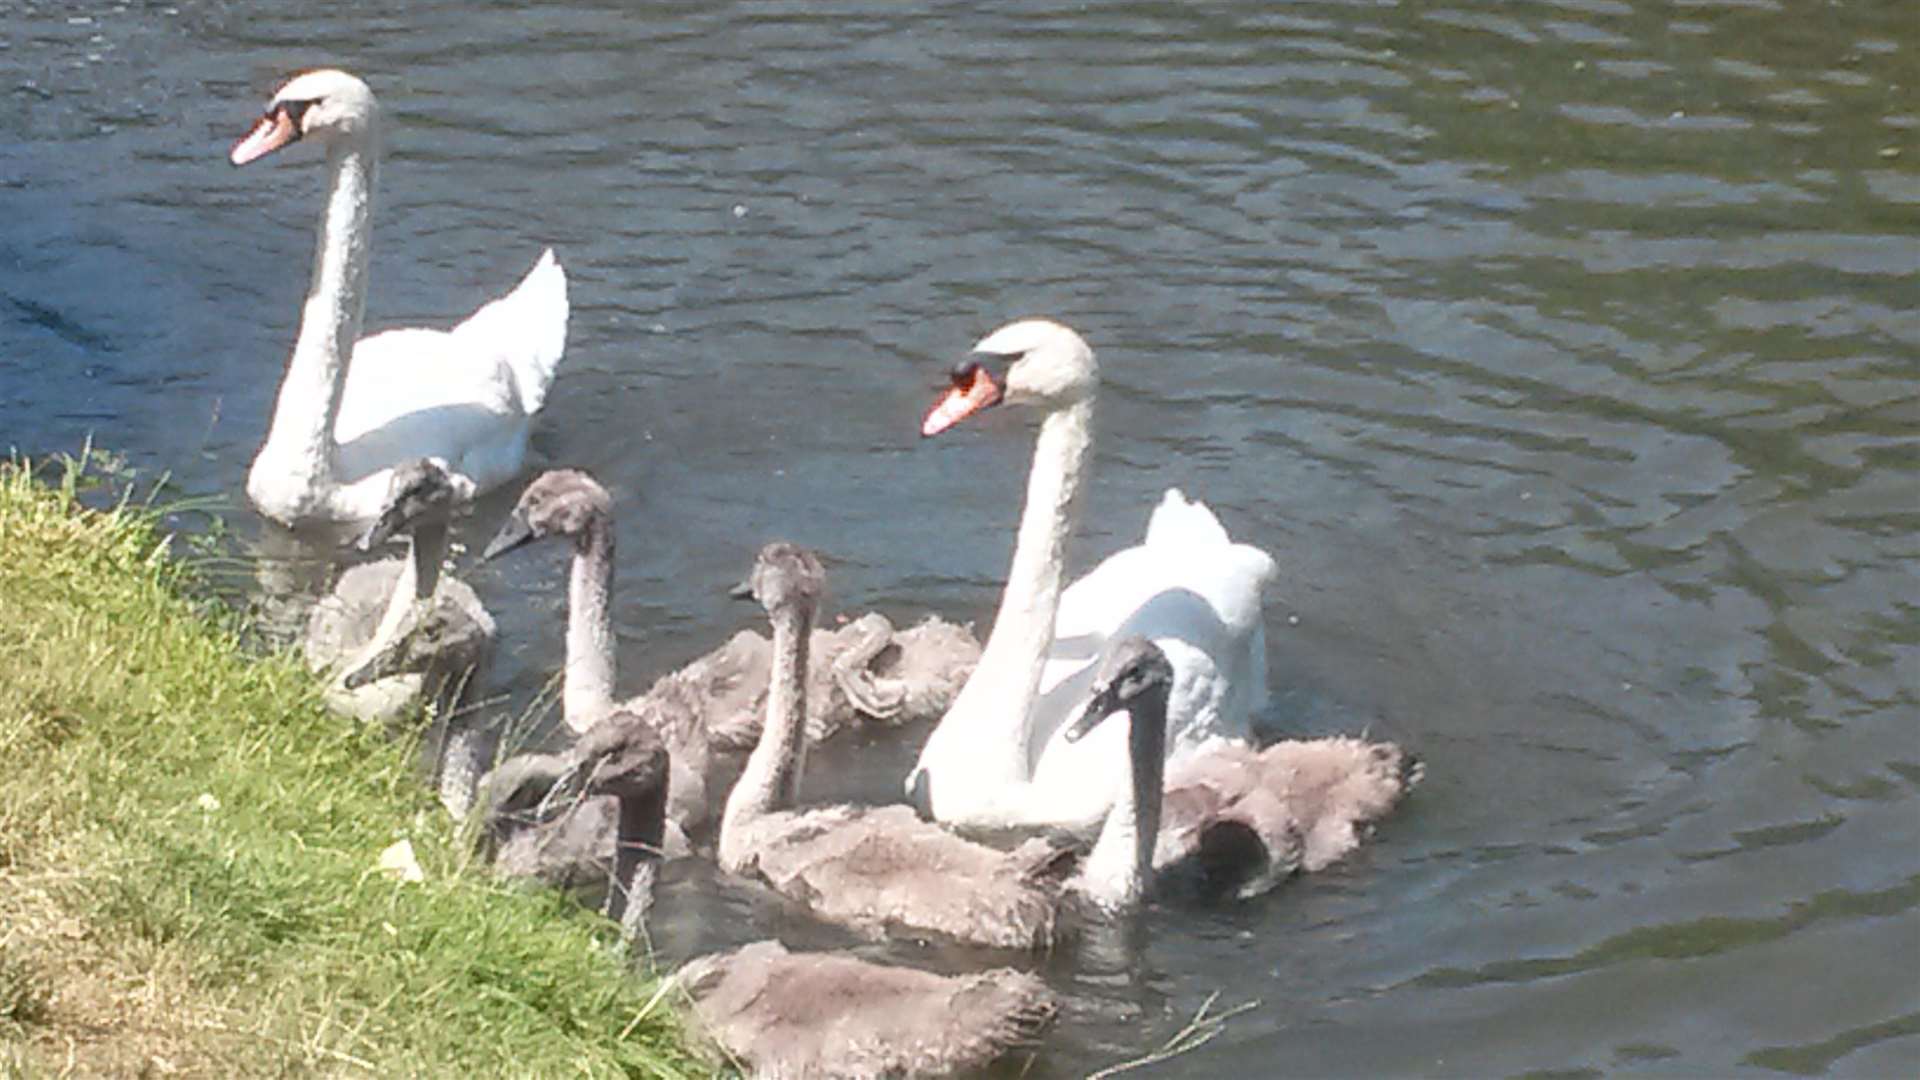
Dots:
{"x": 525, "y": 329}
{"x": 1187, "y": 580}
{"x": 1192, "y": 591}
{"x": 1195, "y": 593}
{"x": 1180, "y": 521}
{"x": 466, "y": 396}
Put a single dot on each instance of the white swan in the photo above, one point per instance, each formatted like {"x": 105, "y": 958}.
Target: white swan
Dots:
{"x": 465, "y": 396}
{"x": 999, "y": 757}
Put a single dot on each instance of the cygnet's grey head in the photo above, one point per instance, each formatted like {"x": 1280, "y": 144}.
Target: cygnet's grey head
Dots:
{"x": 785, "y": 576}
{"x": 1133, "y": 672}
{"x": 622, "y": 756}
{"x": 420, "y": 492}
{"x": 563, "y": 502}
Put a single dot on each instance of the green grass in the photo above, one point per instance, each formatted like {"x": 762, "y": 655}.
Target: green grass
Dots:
{"x": 188, "y": 844}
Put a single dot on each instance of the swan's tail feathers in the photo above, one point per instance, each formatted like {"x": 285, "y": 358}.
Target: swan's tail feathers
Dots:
{"x": 527, "y": 328}
{"x": 1183, "y": 522}
{"x": 1186, "y": 524}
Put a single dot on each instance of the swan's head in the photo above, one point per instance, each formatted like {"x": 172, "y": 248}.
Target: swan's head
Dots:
{"x": 563, "y": 502}
{"x": 419, "y": 493}
{"x": 321, "y": 103}
{"x": 1029, "y": 362}
{"x": 785, "y": 576}
{"x": 1133, "y": 674}
{"x": 622, "y": 756}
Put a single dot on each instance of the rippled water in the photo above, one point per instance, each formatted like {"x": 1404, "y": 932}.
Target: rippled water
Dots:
{"x": 1564, "y": 354}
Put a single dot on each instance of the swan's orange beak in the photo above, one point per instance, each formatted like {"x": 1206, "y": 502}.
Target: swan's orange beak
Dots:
{"x": 270, "y": 133}
{"x": 973, "y": 389}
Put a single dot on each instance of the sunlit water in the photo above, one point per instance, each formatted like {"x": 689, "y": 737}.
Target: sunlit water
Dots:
{"x": 1564, "y": 354}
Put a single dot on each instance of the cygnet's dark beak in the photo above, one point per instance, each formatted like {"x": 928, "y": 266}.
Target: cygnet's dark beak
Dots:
{"x": 920, "y": 794}
{"x": 362, "y": 675}
{"x": 1103, "y": 702}
{"x": 743, "y": 590}
{"x": 382, "y": 664}
{"x": 513, "y": 532}
{"x": 390, "y": 521}
{"x": 571, "y": 785}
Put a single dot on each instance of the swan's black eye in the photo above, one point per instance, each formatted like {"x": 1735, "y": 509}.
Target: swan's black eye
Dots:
{"x": 296, "y": 112}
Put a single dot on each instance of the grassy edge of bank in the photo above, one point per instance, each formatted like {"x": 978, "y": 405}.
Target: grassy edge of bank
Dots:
{"x": 188, "y": 844}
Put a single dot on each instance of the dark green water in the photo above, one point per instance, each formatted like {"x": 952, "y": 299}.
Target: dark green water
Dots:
{"x": 1566, "y": 356}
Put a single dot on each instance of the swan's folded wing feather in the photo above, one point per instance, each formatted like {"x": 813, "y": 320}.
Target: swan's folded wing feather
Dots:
{"x": 465, "y": 396}
{"x": 1191, "y": 590}
{"x": 412, "y": 394}
{"x": 1183, "y": 523}
{"x": 525, "y": 331}
{"x": 1186, "y": 550}
{"x": 405, "y": 372}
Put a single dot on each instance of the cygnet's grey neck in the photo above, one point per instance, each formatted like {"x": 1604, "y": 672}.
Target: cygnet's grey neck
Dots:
{"x": 1119, "y": 870}
{"x": 419, "y": 578}
{"x": 587, "y": 694}
{"x": 636, "y": 858}
{"x": 771, "y": 779}
{"x": 429, "y": 553}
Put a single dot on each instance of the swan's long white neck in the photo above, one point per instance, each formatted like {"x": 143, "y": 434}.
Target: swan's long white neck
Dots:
{"x": 587, "y": 692}
{"x": 293, "y": 475}
{"x": 1119, "y": 869}
{"x": 1002, "y": 689}
{"x": 771, "y": 779}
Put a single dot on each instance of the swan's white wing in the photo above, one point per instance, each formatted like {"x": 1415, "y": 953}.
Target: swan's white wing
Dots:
{"x": 416, "y": 393}
{"x": 1191, "y": 590}
{"x": 1187, "y": 548}
{"x": 1182, "y": 523}
{"x": 465, "y": 396}
{"x": 524, "y": 331}
{"x": 1187, "y": 551}
{"x": 1195, "y": 593}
